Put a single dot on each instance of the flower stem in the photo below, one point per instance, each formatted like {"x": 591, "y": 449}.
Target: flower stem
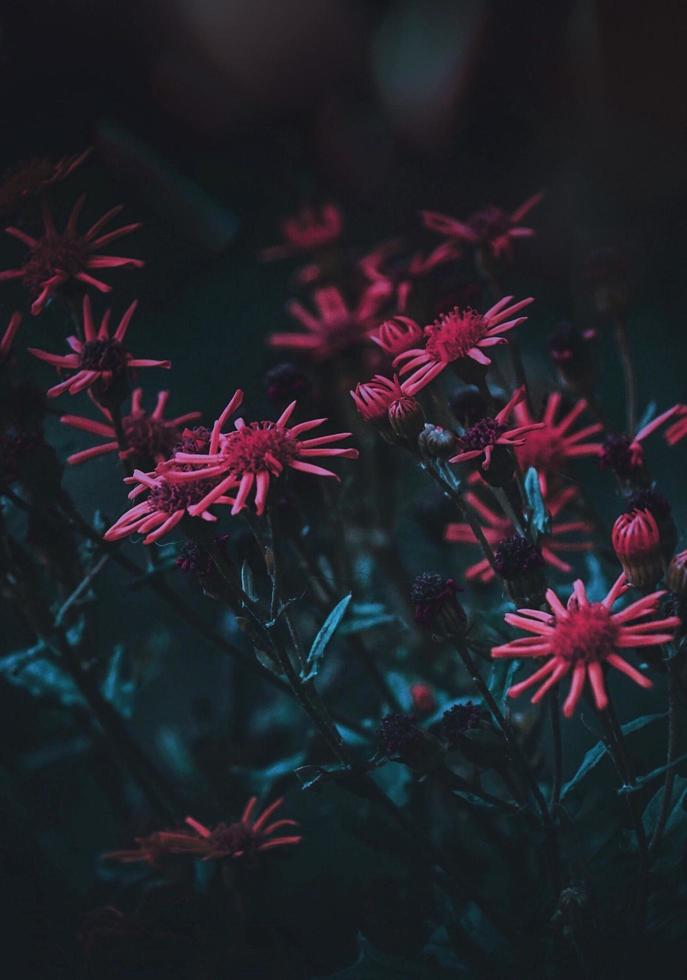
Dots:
{"x": 623, "y": 345}
{"x": 669, "y": 778}
{"x": 463, "y": 510}
{"x": 554, "y": 707}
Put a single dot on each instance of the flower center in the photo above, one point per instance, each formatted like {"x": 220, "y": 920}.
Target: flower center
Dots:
{"x": 588, "y": 634}
{"x": 232, "y": 837}
{"x": 260, "y": 446}
{"x": 52, "y": 254}
{"x": 103, "y": 355}
{"x": 482, "y": 434}
{"x": 169, "y": 497}
{"x": 453, "y": 334}
{"x": 149, "y": 437}
{"x": 621, "y": 455}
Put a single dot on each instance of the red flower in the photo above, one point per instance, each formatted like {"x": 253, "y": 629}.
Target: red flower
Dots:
{"x": 481, "y": 438}
{"x": 254, "y": 454}
{"x": 383, "y": 265}
{"x": 584, "y": 637}
{"x": 243, "y": 839}
{"x": 374, "y": 398}
{"x": 149, "y": 435}
{"x": 99, "y": 357}
{"x": 496, "y": 527}
{"x": 457, "y": 335}
{"x": 8, "y": 337}
{"x": 27, "y": 179}
{"x": 548, "y": 449}
{"x": 397, "y": 334}
{"x": 57, "y": 257}
{"x": 335, "y": 326}
{"x": 492, "y": 227}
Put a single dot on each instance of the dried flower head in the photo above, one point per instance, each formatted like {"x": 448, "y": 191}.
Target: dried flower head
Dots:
{"x": 26, "y": 180}
{"x": 582, "y": 638}
{"x": 458, "y": 720}
{"x": 456, "y": 336}
{"x": 437, "y": 608}
{"x": 625, "y": 455}
{"x": 58, "y": 257}
{"x": 244, "y": 839}
{"x": 481, "y": 439}
{"x": 99, "y": 359}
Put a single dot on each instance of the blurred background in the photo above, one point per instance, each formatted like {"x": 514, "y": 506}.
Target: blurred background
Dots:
{"x": 214, "y": 119}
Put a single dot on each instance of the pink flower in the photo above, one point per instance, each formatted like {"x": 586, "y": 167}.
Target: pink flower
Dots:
{"x": 254, "y": 454}
{"x": 309, "y": 230}
{"x": 243, "y": 839}
{"x": 374, "y": 398}
{"x": 149, "y": 435}
{"x": 8, "y": 336}
{"x": 482, "y": 437}
{"x": 397, "y": 334}
{"x": 678, "y": 430}
{"x": 58, "y": 257}
{"x": 496, "y": 527}
{"x": 625, "y": 455}
{"x": 492, "y": 227}
{"x": 334, "y": 327}
{"x": 584, "y": 637}
{"x": 169, "y": 501}
{"x": 27, "y": 179}
{"x": 456, "y": 335}
{"x": 388, "y": 264}
{"x": 98, "y": 358}
{"x": 549, "y": 448}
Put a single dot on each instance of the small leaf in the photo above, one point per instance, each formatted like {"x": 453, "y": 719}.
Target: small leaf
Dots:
{"x": 248, "y": 582}
{"x": 118, "y": 686}
{"x": 366, "y": 616}
{"x": 324, "y": 636}
{"x": 33, "y": 670}
{"x": 540, "y": 519}
{"x": 648, "y": 415}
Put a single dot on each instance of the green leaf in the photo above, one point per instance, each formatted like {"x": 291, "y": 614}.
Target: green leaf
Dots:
{"x": 540, "y": 519}
{"x": 248, "y": 582}
{"x": 641, "y": 781}
{"x": 118, "y": 686}
{"x": 366, "y": 616}
{"x": 37, "y": 673}
{"x": 324, "y": 636}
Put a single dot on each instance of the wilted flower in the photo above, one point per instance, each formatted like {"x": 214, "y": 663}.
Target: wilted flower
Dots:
{"x": 458, "y": 720}
{"x": 455, "y": 336}
{"x": 496, "y": 527}
{"x": 149, "y": 435}
{"x": 244, "y": 839}
{"x": 482, "y": 438}
{"x": 492, "y": 227}
{"x": 637, "y": 544}
{"x": 335, "y": 326}
{"x": 583, "y": 637}
{"x": 28, "y": 179}
{"x": 99, "y": 359}
{"x": 58, "y": 257}
{"x": 252, "y": 455}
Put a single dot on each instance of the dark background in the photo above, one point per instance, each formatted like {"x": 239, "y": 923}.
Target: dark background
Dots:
{"x": 212, "y": 120}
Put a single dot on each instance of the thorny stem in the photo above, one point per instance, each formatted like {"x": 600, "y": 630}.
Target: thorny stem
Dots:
{"x": 669, "y": 778}
{"x": 623, "y": 345}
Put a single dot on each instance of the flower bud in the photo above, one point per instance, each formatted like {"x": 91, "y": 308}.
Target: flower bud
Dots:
{"x": 437, "y": 608}
{"x": 424, "y": 702}
{"x": 657, "y": 504}
{"x": 676, "y": 576}
{"x": 521, "y": 566}
{"x": 406, "y": 419}
{"x": 637, "y": 544}
{"x": 437, "y": 443}
{"x": 400, "y": 739}
{"x": 469, "y": 729}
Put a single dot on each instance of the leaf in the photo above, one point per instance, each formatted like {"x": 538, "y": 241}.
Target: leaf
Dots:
{"x": 366, "y": 616}
{"x": 594, "y": 756}
{"x": 648, "y": 415}
{"x": 248, "y": 582}
{"x": 33, "y": 670}
{"x": 324, "y": 636}
{"x": 118, "y": 686}
{"x": 540, "y": 519}
{"x": 641, "y": 781}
